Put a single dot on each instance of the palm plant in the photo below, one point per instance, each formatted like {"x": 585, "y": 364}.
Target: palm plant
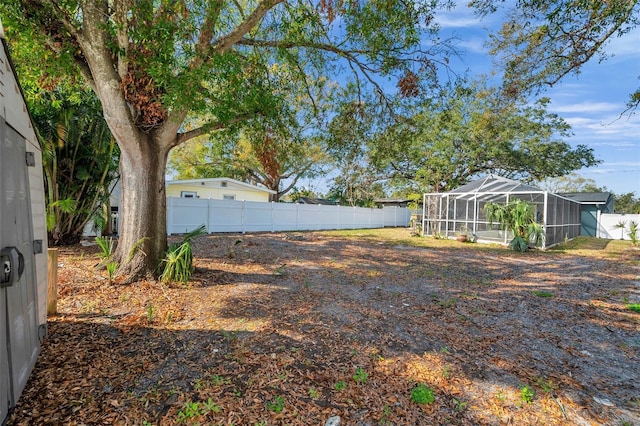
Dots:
{"x": 621, "y": 225}
{"x": 79, "y": 160}
{"x": 518, "y": 217}
{"x": 633, "y": 232}
{"x": 177, "y": 264}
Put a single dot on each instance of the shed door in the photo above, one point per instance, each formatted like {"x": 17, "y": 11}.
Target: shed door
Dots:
{"x": 20, "y": 342}
{"x": 589, "y": 218}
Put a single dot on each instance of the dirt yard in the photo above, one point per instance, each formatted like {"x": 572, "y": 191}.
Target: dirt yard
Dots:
{"x": 293, "y": 329}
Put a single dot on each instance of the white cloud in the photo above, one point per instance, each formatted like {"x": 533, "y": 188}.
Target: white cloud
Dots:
{"x": 588, "y": 107}
{"x": 627, "y": 45}
{"x": 475, "y": 44}
{"x": 460, "y": 16}
{"x": 616, "y": 144}
{"x": 623, "y": 164}
{"x": 456, "y": 20}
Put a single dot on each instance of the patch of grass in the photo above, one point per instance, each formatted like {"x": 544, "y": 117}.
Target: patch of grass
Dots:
{"x": 276, "y": 405}
{"x": 546, "y": 385}
{"x": 177, "y": 264}
{"x": 635, "y": 307}
{"x": 458, "y": 405}
{"x": 449, "y": 303}
{"x": 210, "y": 407}
{"x": 386, "y": 413}
{"x": 361, "y": 376}
{"x": 543, "y": 294}
{"x": 340, "y": 385}
{"x": 446, "y": 371}
{"x": 189, "y": 411}
{"x": 151, "y": 310}
{"x": 422, "y": 394}
{"x": 314, "y": 393}
{"x": 593, "y": 247}
{"x": 527, "y": 394}
{"x": 217, "y": 380}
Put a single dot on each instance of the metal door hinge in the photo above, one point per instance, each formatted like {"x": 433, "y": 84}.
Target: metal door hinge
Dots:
{"x": 37, "y": 246}
{"x": 31, "y": 159}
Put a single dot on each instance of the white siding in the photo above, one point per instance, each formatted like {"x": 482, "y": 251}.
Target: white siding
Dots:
{"x": 217, "y": 192}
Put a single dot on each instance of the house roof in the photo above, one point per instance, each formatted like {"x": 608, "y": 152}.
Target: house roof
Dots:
{"x": 390, "y": 200}
{"x": 589, "y": 197}
{"x": 310, "y": 200}
{"x": 217, "y": 182}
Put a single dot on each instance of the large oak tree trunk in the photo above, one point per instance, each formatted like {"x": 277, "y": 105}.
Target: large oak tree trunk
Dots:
{"x": 143, "y": 205}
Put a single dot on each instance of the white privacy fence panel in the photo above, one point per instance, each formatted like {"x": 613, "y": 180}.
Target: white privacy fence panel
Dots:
{"x": 610, "y": 225}
{"x": 186, "y": 214}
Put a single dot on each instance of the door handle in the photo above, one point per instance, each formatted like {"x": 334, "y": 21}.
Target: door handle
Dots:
{"x": 11, "y": 266}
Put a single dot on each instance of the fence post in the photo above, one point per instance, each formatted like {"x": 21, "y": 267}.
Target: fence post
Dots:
{"x": 52, "y": 281}
{"x": 169, "y": 214}
{"x": 242, "y": 218}
{"x": 210, "y": 215}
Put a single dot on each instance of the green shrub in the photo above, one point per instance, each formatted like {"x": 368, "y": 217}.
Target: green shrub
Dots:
{"x": 527, "y": 394}
{"x": 422, "y": 394}
{"x": 361, "y": 376}
{"x": 635, "y": 307}
{"x": 340, "y": 385}
{"x": 276, "y": 405}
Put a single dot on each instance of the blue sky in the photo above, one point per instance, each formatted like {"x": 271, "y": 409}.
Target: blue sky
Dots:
{"x": 591, "y": 102}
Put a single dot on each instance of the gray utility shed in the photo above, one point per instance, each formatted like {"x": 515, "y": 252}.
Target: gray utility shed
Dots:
{"x": 449, "y": 213}
{"x": 592, "y": 205}
{"x": 23, "y": 240}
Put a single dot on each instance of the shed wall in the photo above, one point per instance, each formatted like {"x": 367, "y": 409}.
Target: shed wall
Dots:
{"x": 22, "y": 217}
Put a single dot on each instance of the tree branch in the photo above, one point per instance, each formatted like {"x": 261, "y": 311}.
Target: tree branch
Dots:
{"x": 121, "y": 8}
{"x": 349, "y": 55}
{"x": 210, "y": 127}
{"x": 225, "y": 43}
{"x": 206, "y": 35}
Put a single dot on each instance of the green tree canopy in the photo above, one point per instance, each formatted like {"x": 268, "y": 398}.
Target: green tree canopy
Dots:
{"x": 472, "y": 131}
{"x": 154, "y": 64}
{"x": 273, "y": 159}
{"x": 274, "y": 151}
{"x": 348, "y": 134}
{"x": 540, "y": 42}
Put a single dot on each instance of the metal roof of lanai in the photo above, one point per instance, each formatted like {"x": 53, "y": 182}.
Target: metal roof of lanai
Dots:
{"x": 495, "y": 184}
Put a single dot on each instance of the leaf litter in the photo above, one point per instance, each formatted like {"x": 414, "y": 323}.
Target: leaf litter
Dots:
{"x": 276, "y": 330}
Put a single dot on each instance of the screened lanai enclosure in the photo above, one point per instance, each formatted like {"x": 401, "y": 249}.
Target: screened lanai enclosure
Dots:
{"x": 462, "y": 210}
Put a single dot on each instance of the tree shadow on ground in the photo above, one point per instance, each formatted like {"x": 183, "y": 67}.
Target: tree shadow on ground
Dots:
{"x": 474, "y": 326}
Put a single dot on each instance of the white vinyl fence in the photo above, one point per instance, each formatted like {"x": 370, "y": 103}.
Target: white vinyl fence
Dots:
{"x": 186, "y": 214}
{"x": 609, "y": 225}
